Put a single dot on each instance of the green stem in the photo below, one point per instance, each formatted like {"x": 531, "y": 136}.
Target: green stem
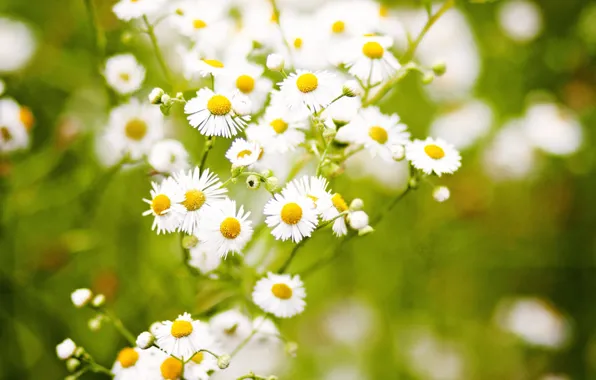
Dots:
{"x": 248, "y": 338}
{"x": 208, "y": 145}
{"x": 118, "y": 325}
{"x": 292, "y": 255}
{"x": 281, "y": 31}
{"x": 100, "y": 40}
{"x": 251, "y": 376}
{"x": 98, "y": 368}
{"x": 158, "y": 53}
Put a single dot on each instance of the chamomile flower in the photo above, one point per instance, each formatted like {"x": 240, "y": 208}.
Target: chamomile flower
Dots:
{"x": 13, "y": 132}
{"x": 212, "y": 114}
{"x": 206, "y": 67}
{"x": 225, "y": 230}
{"x": 369, "y": 60}
{"x": 230, "y": 328}
{"x": 433, "y": 155}
{"x": 281, "y": 129}
{"x": 165, "y": 206}
{"x": 291, "y": 215}
{"x": 200, "y": 190}
{"x": 244, "y": 153}
{"x": 168, "y": 156}
{"x": 281, "y": 295}
{"x": 314, "y": 188}
{"x": 376, "y": 131}
{"x": 124, "y": 73}
{"x": 129, "y": 364}
{"x": 183, "y": 337}
{"x": 313, "y": 90}
{"x": 200, "y": 20}
{"x": 333, "y": 207}
{"x": 127, "y": 10}
{"x": 247, "y": 78}
{"x": 200, "y": 367}
{"x": 203, "y": 259}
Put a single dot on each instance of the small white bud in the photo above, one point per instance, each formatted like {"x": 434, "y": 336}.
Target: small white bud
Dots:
{"x": 365, "y": 231}
{"x": 440, "y": 68}
{"x": 72, "y": 364}
{"x": 66, "y": 349}
{"x": 145, "y": 340}
{"x": 358, "y": 220}
{"x": 398, "y": 152}
{"x": 441, "y": 193}
{"x": 166, "y": 99}
{"x": 155, "y": 95}
{"x": 223, "y": 361}
{"x": 357, "y": 204}
{"x": 189, "y": 241}
{"x": 253, "y": 182}
{"x": 241, "y": 105}
{"x": 94, "y": 324}
{"x": 81, "y": 297}
{"x": 351, "y": 89}
{"x": 275, "y": 62}
{"x": 98, "y": 301}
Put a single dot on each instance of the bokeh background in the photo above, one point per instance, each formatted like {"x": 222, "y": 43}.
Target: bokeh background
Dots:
{"x": 496, "y": 283}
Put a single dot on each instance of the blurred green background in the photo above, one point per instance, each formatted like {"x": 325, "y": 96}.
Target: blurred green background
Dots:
{"x": 430, "y": 268}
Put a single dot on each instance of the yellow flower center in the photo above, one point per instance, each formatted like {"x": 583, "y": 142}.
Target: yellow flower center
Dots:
{"x": 194, "y": 199}
{"x": 291, "y": 213}
{"x": 135, "y": 129}
{"x": 279, "y": 126}
{"x": 281, "y": 291}
{"x": 180, "y": 329}
{"x": 434, "y": 151}
{"x": 5, "y": 133}
{"x": 171, "y": 368}
{"x": 339, "y": 202}
{"x": 219, "y": 105}
{"x": 383, "y": 11}
{"x": 198, "y": 358}
{"x": 230, "y": 228}
{"x": 243, "y": 153}
{"x": 128, "y": 357}
{"x": 124, "y": 76}
{"x": 338, "y": 27}
{"x": 214, "y": 63}
{"x": 298, "y": 43}
{"x": 378, "y": 134}
{"x": 314, "y": 199}
{"x": 26, "y": 117}
{"x": 245, "y": 83}
{"x": 373, "y": 50}
{"x": 199, "y": 24}
{"x": 273, "y": 17}
{"x": 307, "y": 82}
{"x": 160, "y": 204}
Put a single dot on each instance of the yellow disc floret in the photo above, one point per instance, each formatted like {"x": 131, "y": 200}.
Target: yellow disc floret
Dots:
{"x": 373, "y": 50}
{"x": 181, "y": 328}
{"x": 281, "y": 291}
{"x": 298, "y": 43}
{"x": 230, "y": 228}
{"x": 135, "y": 129}
{"x": 219, "y": 105}
{"x": 243, "y": 153}
{"x": 198, "y": 358}
{"x": 124, "y": 76}
{"x": 128, "y": 357}
{"x": 160, "y": 204}
{"x": 199, "y": 24}
{"x": 26, "y": 117}
{"x": 279, "y": 126}
{"x": 307, "y": 82}
{"x": 291, "y": 213}
{"x": 171, "y": 369}
{"x": 383, "y": 11}
{"x": 434, "y": 151}
{"x": 214, "y": 63}
{"x": 339, "y": 202}
{"x": 379, "y": 134}
{"x": 194, "y": 199}
{"x": 245, "y": 83}
{"x": 338, "y": 27}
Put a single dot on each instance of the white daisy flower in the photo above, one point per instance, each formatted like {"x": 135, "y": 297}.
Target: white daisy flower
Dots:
{"x": 129, "y": 364}
{"x": 225, "y": 230}
{"x": 203, "y": 259}
{"x": 13, "y": 131}
{"x": 230, "y": 329}
{"x": 165, "y": 206}
{"x": 200, "y": 367}
{"x": 124, "y": 73}
{"x": 280, "y": 294}
{"x": 313, "y": 90}
{"x": 212, "y": 114}
{"x": 202, "y": 21}
{"x": 168, "y": 156}
{"x": 206, "y": 67}
{"x": 200, "y": 190}
{"x": 244, "y": 153}
{"x": 333, "y": 207}
{"x": 378, "y": 133}
{"x": 291, "y": 215}
{"x": 433, "y": 155}
{"x": 248, "y": 79}
{"x": 183, "y": 337}
{"x": 127, "y": 10}
{"x": 170, "y": 368}
{"x": 369, "y": 60}
{"x": 314, "y": 188}
{"x": 133, "y": 128}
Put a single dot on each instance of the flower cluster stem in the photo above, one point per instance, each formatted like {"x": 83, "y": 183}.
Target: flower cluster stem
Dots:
{"x": 158, "y": 53}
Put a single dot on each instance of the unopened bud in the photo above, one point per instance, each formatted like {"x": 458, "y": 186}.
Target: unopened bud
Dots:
{"x": 189, "y": 241}
{"x": 439, "y": 68}
{"x": 145, "y": 340}
{"x": 94, "y": 324}
{"x": 291, "y": 348}
{"x": 155, "y": 95}
{"x": 223, "y": 361}
{"x": 66, "y": 349}
{"x": 271, "y": 184}
{"x": 275, "y": 62}
{"x": 72, "y": 364}
{"x": 126, "y": 38}
{"x": 98, "y": 301}
{"x": 428, "y": 78}
{"x": 365, "y": 231}
{"x": 253, "y": 182}
{"x": 81, "y": 297}
{"x": 166, "y": 99}
{"x": 357, "y": 204}
{"x": 413, "y": 183}
{"x": 398, "y": 152}
{"x": 351, "y": 89}
{"x": 441, "y": 193}
{"x": 358, "y": 220}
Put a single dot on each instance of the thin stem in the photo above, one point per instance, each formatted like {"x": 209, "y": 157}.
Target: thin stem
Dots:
{"x": 100, "y": 40}
{"x": 98, "y": 368}
{"x": 118, "y": 325}
{"x": 208, "y": 145}
{"x": 248, "y": 338}
{"x": 158, "y": 53}
{"x": 251, "y": 376}
{"x": 292, "y": 255}
{"x": 281, "y": 31}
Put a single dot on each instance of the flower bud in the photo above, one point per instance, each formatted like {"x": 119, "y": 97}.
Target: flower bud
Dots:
{"x": 271, "y": 184}
{"x": 145, "y": 340}
{"x": 398, "y": 152}
{"x": 253, "y": 182}
{"x": 365, "y": 231}
{"x": 126, "y": 38}
{"x": 428, "y": 78}
{"x": 81, "y": 297}
{"x": 413, "y": 183}
{"x": 291, "y": 348}
{"x": 155, "y": 95}
{"x": 98, "y": 301}
{"x": 94, "y": 324}
{"x": 357, "y": 204}
{"x": 66, "y": 349}
{"x": 72, "y": 364}
{"x": 439, "y": 68}
{"x": 351, "y": 89}
{"x": 275, "y": 62}
{"x": 441, "y": 193}
{"x": 223, "y": 361}
{"x": 189, "y": 241}
{"x": 358, "y": 220}
{"x": 166, "y": 99}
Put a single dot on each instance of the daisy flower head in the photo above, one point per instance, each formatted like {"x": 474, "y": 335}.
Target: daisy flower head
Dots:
{"x": 165, "y": 205}
{"x": 200, "y": 367}
{"x": 314, "y": 188}
{"x": 244, "y": 153}
{"x": 212, "y": 114}
{"x": 201, "y": 190}
{"x": 291, "y": 215}
{"x": 129, "y": 364}
{"x": 127, "y": 10}
{"x": 200, "y": 20}
{"x": 224, "y": 230}
{"x": 433, "y": 155}
{"x": 313, "y": 90}
{"x": 203, "y": 259}
{"x": 246, "y": 78}
{"x": 206, "y": 67}
{"x": 168, "y": 156}
{"x": 13, "y": 132}
{"x": 124, "y": 73}
{"x": 378, "y": 132}
{"x": 230, "y": 328}
{"x": 280, "y": 294}
{"x": 183, "y": 337}
{"x": 369, "y": 59}
{"x": 333, "y": 207}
